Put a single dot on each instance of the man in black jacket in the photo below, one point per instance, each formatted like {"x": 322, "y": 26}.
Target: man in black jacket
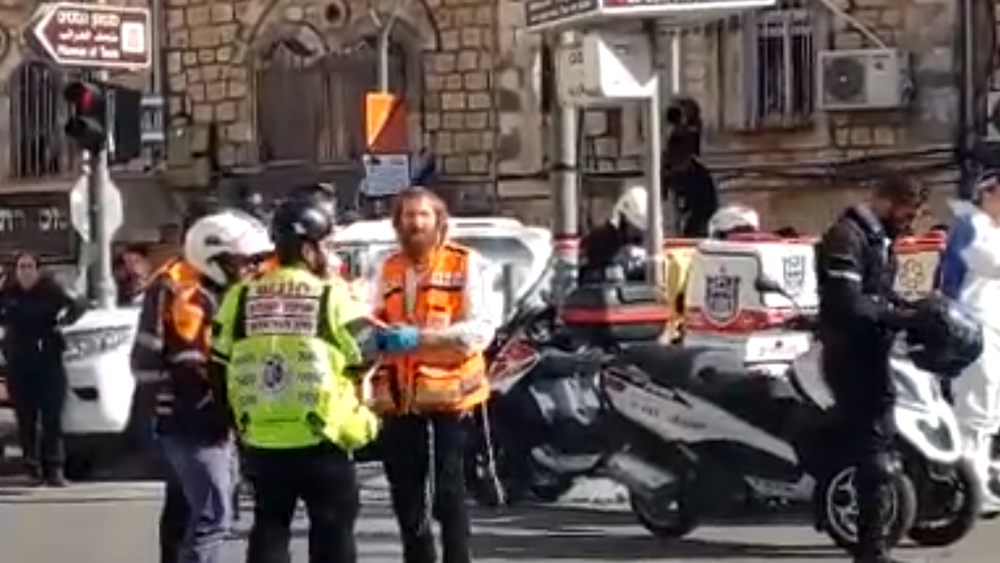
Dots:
{"x": 856, "y": 270}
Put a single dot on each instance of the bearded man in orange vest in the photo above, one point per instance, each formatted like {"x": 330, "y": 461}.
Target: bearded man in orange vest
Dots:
{"x": 432, "y": 296}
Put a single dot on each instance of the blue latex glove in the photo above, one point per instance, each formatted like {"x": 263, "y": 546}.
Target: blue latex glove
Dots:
{"x": 397, "y": 338}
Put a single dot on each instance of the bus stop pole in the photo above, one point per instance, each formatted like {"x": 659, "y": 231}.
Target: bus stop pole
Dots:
{"x": 654, "y": 181}
{"x": 565, "y": 179}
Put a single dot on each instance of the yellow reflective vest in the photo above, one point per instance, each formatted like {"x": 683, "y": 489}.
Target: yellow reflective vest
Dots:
{"x": 286, "y": 341}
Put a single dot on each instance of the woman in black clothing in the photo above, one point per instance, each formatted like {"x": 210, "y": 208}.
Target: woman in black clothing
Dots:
{"x": 33, "y": 307}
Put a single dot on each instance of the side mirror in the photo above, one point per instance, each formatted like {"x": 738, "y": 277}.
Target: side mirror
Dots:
{"x": 765, "y": 284}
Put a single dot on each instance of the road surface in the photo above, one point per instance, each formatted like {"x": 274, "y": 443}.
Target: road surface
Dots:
{"x": 114, "y": 522}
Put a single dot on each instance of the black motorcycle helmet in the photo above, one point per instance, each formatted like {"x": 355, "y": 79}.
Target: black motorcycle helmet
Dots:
{"x": 944, "y": 338}
{"x": 322, "y": 193}
{"x": 297, "y": 221}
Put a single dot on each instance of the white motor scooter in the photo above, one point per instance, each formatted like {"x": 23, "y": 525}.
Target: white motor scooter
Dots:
{"x": 694, "y": 427}
{"x": 946, "y": 485}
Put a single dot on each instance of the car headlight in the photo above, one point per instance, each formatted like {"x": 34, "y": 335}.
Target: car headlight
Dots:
{"x": 86, "y": 343}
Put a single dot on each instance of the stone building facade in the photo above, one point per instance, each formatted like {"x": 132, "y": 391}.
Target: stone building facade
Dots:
{"x": 281, "y": 82}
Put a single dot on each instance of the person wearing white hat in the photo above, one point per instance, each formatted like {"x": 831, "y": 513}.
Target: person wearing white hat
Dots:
{"x": 733, "y": 220}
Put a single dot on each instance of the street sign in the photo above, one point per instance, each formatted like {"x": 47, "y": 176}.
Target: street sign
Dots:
{"x": 94, "y": 36}
{"x": 544, "y": 15}
{"x": 38, "y": 222}
{"x": 79, "y": 208}
{"x": 386, "y": 174}
{"x": 559, "y": 12}
{"x": 607, "y": 67}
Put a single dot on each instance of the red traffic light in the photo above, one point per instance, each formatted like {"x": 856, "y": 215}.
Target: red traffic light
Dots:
{"x": 84, "y": 96}
{"x": 88, "y": 106}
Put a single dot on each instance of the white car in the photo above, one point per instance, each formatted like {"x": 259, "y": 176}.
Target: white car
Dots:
{"x": 100, "y": 387}
{"x": 99, "y": 396}
{"x": 364, "y": 245}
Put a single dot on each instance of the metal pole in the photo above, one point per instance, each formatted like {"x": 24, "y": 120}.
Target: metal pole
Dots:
{"x": 384, "y": 41}
{"x": 676, "y": 72}
{"x": 98, "y": 188}
{"x": 383, "y": 56}
{"x": 968, "y": 130}
{"x": 676, "y": 77}
{"x": 565, "y": 187}
{"x": 654, "y": 142}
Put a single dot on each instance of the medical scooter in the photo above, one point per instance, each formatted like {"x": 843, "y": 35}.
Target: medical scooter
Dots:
{"x": 694, "y": 429}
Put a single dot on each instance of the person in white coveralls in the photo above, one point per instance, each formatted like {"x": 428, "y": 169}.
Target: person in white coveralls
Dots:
{"x": 970, "y": 274}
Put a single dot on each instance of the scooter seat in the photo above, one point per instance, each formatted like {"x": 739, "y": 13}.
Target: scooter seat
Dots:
{"x": 556, "y": 363}
{"x": 717, "y": 376}
{"x": 692, "y": 368}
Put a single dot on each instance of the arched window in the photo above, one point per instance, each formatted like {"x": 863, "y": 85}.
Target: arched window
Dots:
{"x": 289, "y": 102}
{"x": 37, "y": 144}
{"x": 310, "y": 101}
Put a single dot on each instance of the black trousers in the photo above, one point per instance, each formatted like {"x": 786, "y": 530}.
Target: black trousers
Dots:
{"x": 324, "y": 478}
{"x": 38, "y": 394}
{"x": 174, "y": 518}
{"x": 871, "y": 437}
{"x": 422, "y": 490}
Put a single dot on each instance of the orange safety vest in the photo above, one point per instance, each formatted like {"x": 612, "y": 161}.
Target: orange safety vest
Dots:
{"x": 428, "y": 380}
{"x": 174, "y": 338}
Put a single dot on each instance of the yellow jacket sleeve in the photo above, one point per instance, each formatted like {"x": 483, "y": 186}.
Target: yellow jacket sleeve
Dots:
{"x": 222, "y": 325}
{"x": 349, "y": 323}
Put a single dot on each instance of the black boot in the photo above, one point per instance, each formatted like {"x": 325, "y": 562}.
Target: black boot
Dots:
{"x": 874, "y": 509}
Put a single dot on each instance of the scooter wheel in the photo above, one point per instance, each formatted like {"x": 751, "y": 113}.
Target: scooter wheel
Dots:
{"x": 961, "y": 493}
{"x": 665, "y": 516}
{"x": 837, "y": 508}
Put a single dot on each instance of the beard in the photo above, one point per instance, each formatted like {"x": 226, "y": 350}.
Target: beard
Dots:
{"x": 417, "y": 244}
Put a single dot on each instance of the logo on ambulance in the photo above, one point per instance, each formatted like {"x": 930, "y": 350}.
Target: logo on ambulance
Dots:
{"x": 722, "y": 297}
{"x": 793, "y": 273}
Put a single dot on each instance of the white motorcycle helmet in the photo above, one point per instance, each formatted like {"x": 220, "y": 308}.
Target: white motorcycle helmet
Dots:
{"x": 230, "y": 232}
{"x": 633, "y": 207}
{"x": 731, "y": 219}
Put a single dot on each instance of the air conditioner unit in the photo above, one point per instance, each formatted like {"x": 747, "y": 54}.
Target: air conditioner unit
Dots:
{"x": 863, "y": 79}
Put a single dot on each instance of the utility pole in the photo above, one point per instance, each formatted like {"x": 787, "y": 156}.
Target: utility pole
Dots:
{"x": 968, "y": 134}
{"x": 98, "y": 186}
{"x": 654, "y": 171}
{"x": 565, "y": 180}
{"x": 88, "y": 124}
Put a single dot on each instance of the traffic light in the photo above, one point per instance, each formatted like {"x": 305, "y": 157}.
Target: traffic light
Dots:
{"x": 88, "y": 119}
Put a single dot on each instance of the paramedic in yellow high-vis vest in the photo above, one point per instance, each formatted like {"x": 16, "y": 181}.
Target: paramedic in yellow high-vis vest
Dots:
{"x": 285, "y": 345}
